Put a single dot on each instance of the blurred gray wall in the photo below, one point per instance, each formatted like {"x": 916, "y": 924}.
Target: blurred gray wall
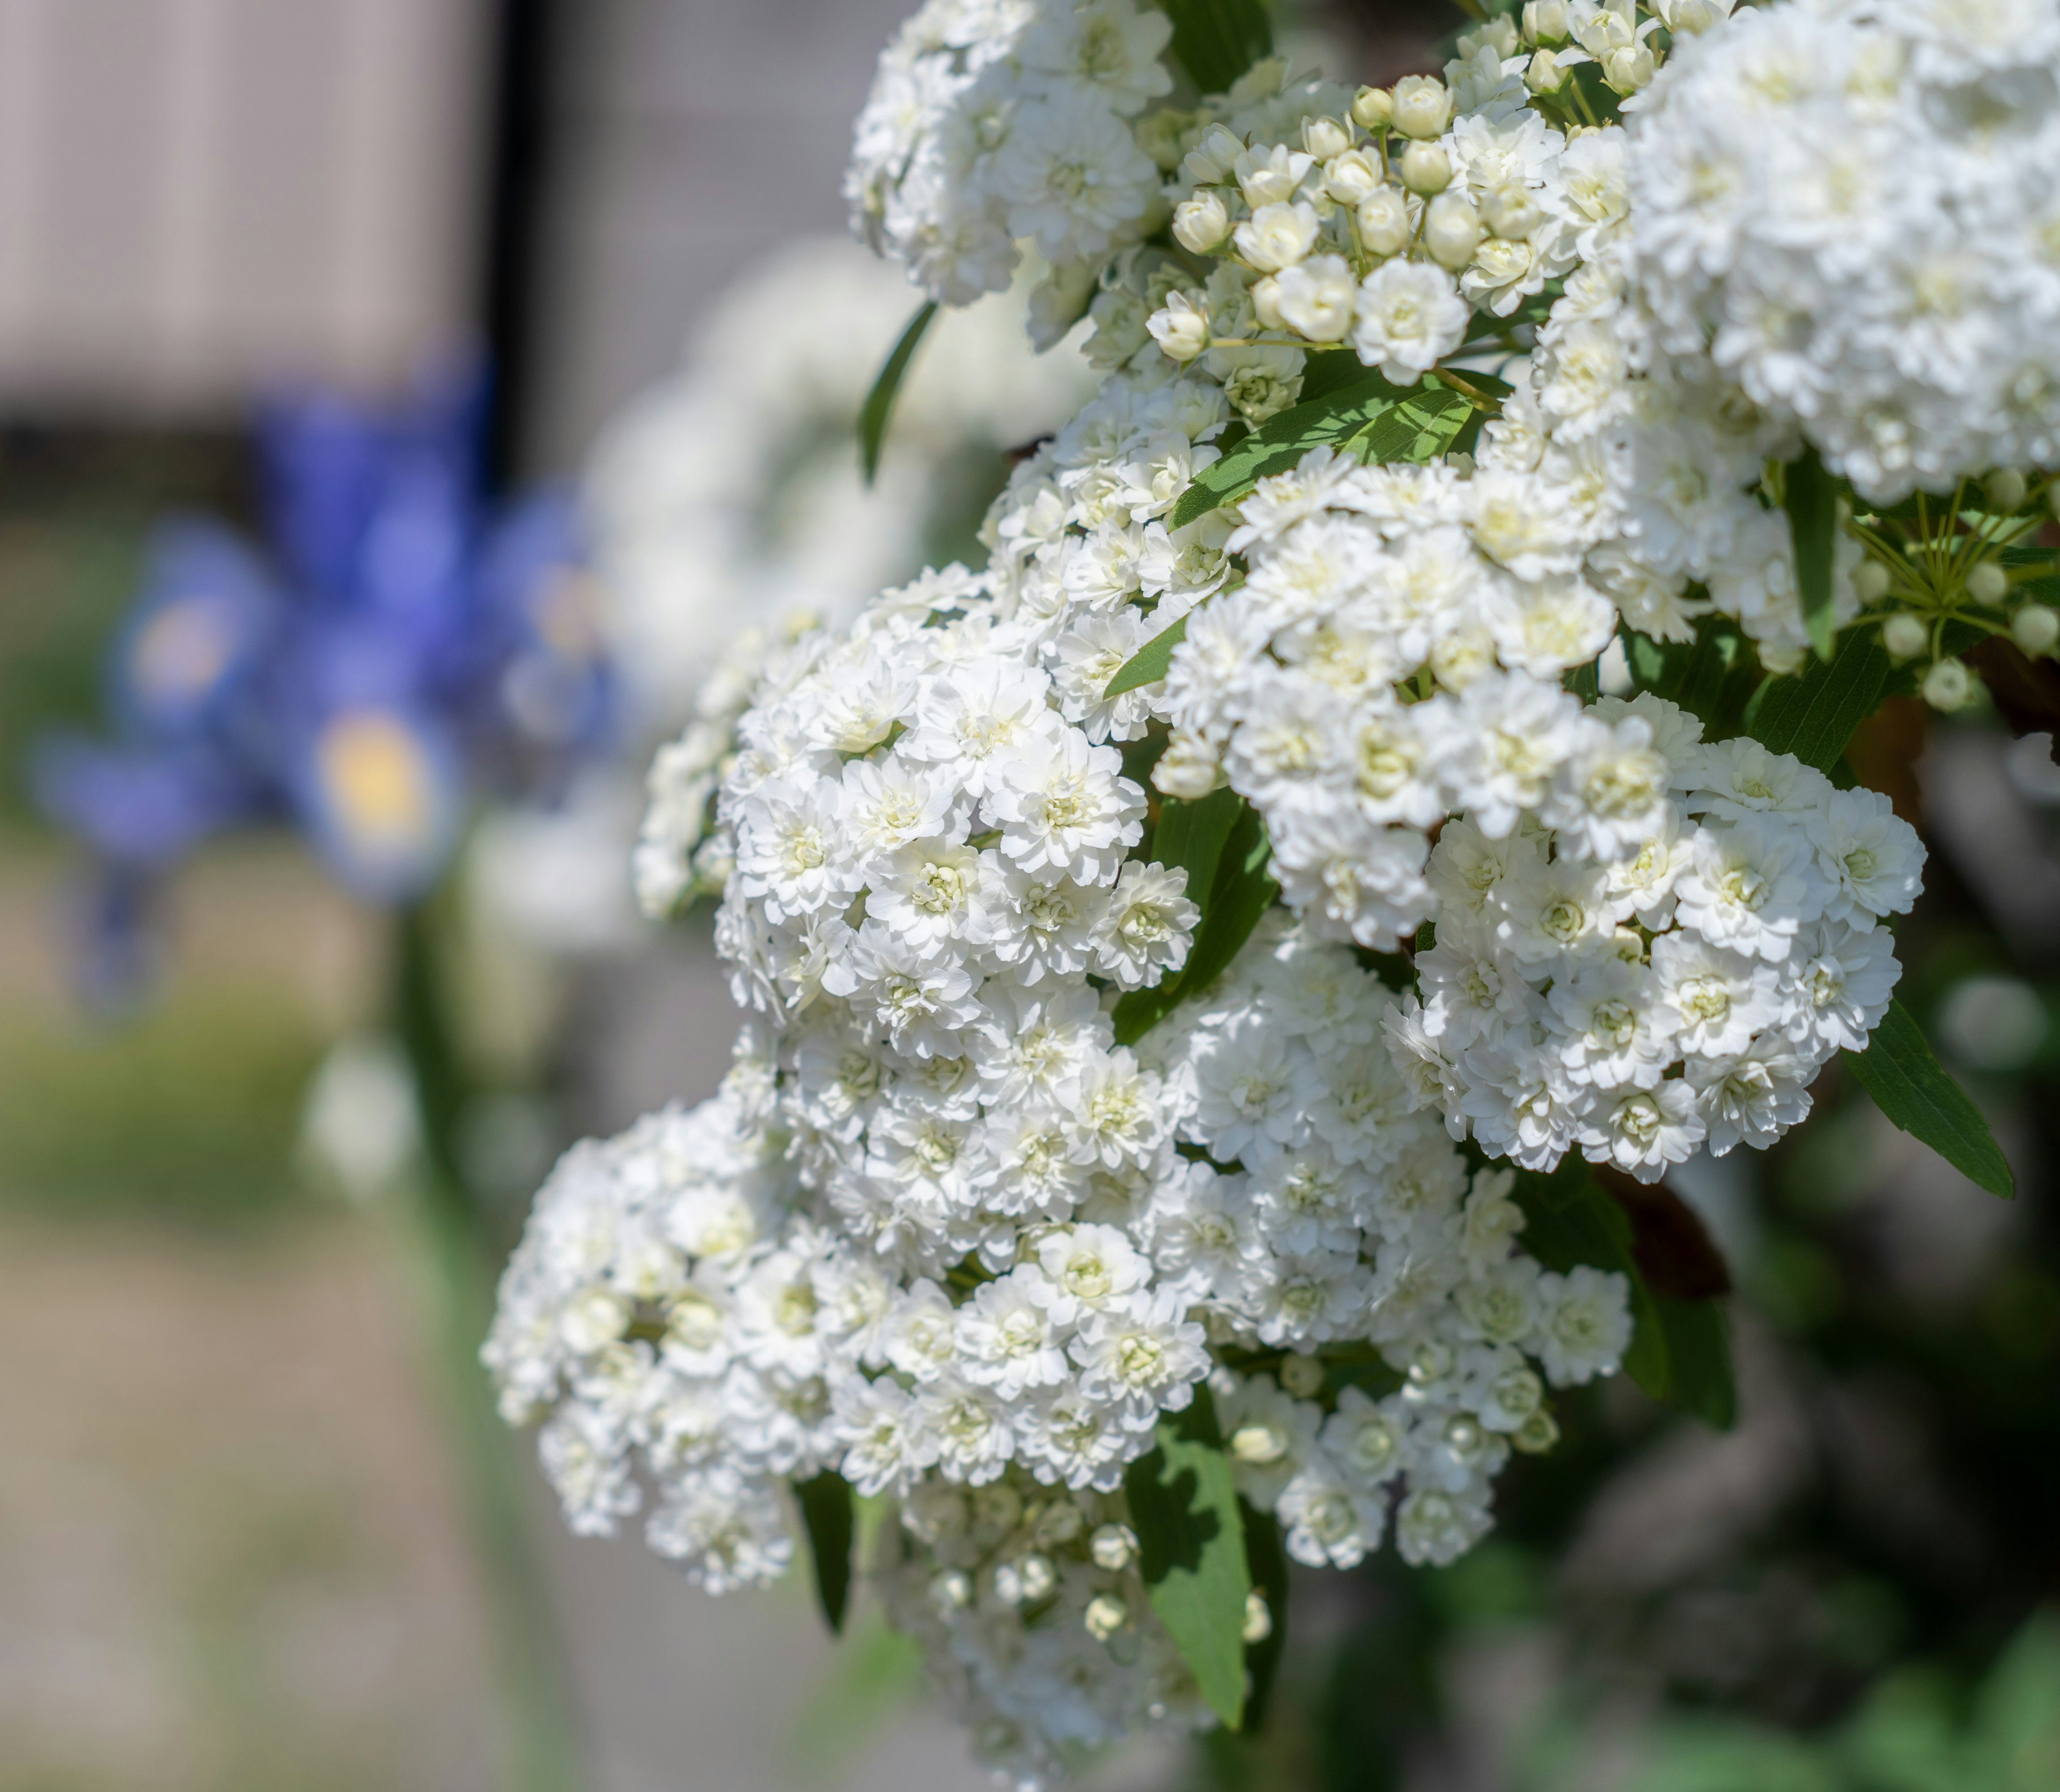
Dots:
{"x": 197, "y": 197}
{"x": 685, "y": 139}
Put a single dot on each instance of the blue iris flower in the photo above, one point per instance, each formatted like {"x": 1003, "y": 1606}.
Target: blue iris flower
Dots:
{"x": 404, "y": 647}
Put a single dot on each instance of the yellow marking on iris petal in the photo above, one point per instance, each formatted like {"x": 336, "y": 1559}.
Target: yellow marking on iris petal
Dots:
{"x": 378, "y": 779}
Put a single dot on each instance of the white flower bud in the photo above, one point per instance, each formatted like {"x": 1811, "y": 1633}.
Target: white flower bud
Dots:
{"x": 1629, "y": 69}
{"x": 1451, "y": 230}
{"x": 1870, "y": 581}
{"x": 1036, "y": 1576}
{"x": 1324, "y": 138}
{"x": 1498, "y": 34}
{"x": 1690, "y": 19}
{"x": 951, "y": 1591}
{"x": 2036, "y": 628}
{"x": 1181, "y": 331}
{"x": 1278, "y": 236}
{"x": 1987, "y": 582}
{"x": 1537, "y": 1433}
{"x": 1906, "y": 635}
{"x": 1948, "y": 685}
{"x": 1258, "y": 1618}
{"x": 1348, "y": 179}
{"x": 1266, "y": 302}
{"x": 1106, "y": 1615}
{"x": 1212, "y": 160}
{"x": 1383, "y": 221}
{"x": 1257, "y": 1445}
{"x": 1544, "y": 75}
{"x": 2006, "y": 489}
{"x": 1510, "y": 211}
{"x": 1545, "y": 22}
{"x": 1200, "y": 224}
{"x": 1371, "y": 108}
{"x": 1302, "y": 1376}
{"x": 1423, "y": 105}
{"x": 1113, "y": 1546}
{"x": 1426, "y": 168}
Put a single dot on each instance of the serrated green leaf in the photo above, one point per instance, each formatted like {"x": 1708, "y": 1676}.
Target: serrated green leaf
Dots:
{"x": 1810, "y": 496}
{"x": 1191, "y": 1551}
{"x": 826, "y": 1511}
{"x": 1266, "y": 1561}
{"x": 1908, "y": 1084}
{"x": 1148, "y": 665}
{"x": 1698, "y": 1360}
{"x": 1379, "y": 422}
{"x": 1217, "y": 41}
{"x": 1813, "y": 716}
{"x": 879, "y": 401}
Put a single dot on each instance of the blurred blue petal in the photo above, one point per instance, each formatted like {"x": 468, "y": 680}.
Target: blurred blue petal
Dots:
{"x": 380, "y": 793}
{"x": 141, "y": 808}
{"x": 206, "y": 613}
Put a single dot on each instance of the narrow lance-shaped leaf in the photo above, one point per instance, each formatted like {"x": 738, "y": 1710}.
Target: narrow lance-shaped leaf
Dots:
{"x": 1908, "y": 1084}
{"x": 1148, "y": 665}
{"x": 1812, "y": 503}
{"x": 879, "y": 401}
{"x": 1191, "y": 1551}
{"x": 1813, "y": 716}
{"x": 1217, "y": 41}
{"x": 825, "y": 1503}
{"x": 1698, "y": 1360}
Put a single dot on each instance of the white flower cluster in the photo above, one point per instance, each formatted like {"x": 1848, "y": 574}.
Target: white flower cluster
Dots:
{"x": 1420, "y": 225}
{"x": 731, "y": 492}
{"x": 993, "y": 120}
{"x": 1849, "y": 209}
{"x": 1033, "y": 1618}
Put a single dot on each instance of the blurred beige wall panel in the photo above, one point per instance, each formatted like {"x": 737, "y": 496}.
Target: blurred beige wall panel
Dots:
{"x": 200, "y": 196}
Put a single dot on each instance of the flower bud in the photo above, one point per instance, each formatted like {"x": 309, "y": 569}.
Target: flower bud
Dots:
{"x": 1870, "y": 581}
{"x": 1691, "y": 18}
{"x": 1383, "y": 221}
{"x": 1258, "y": 1618}
{"x": 1257, "y": 1445}
{"x": 1537, "y": 1433}
{"x": 1266, "y": 302}
{"x": 1113, "y": 1546}
{"x": 1371, "y": 108}
{"x": 1629, "y": 69}
{"x": 1510, "y": 211}
{"x": 1105, "y": 1615}
{"x": 1948, "y": 685}
{"x": 1302, "y": 1376}
{"x": 1451, "y": 230}
{"x": 1324, "y": 138}
{"x": 1426, "y": 168}
{"x": 1348, "y": 179}
{"x": 1544, "y": 75}
{"x": 1180, "y": 330}
{"x": 1040, "y": 1579}
{"x": 1188, "y": 768}
{"x": 1987, "y": 582}
{"x": 951, "y": 1591}
{"x": 1906, "y": 636}
{"x": 1423, "y": 105}
{"x": 1779, "y": 659}
{"x": 2006, "y": 489}
{"x": 1212, "y": 159}
{"x": 1545, "y": 22}
{"x": 2035, "y": 628}
{"x": 1200, "y": 224}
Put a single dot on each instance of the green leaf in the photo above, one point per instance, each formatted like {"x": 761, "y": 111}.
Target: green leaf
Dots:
{"x": 1191, "y": 1551}
{"x": 1244, "y": 890}
{"x": 879, "y": 401}
{"x": 1217, "y": 41}
{"x": 1379, "y": 422}
{"x": 1148, "y": 665}
{"x": 1712, "y": 676}
{"x": 1266, "y": 1561}
{"x": 826, "y": 1511}
{"x": 1908, "y": 1084}
{"x": 1810, "y": 496}
{"x": 1592, "y": 1229}
{"x": 1813, "y": 716}
{"x": 1698, "y": 1360}
{"x": 1192, "y": 835}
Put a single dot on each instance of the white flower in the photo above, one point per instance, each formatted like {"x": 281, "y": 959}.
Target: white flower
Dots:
{"x": 1873, "y": 860}
{"x": 1072, "y": 176}
{"x": 1146, "y": 931}
{"x": 1141, "y": 1356}
{"x": 1330, "y": 1522}
{"x": 1065, "y": 809}
{"x": 1410, "y": 317}
{"x": 1715, "y": 999}
{"x": 1753, "y": 1096}
{"x": 1006, "y": 1338}
{"x": 1642, "y": 1130}
{"x": 1753, "y": 887}
{"x": 1317, "y": 298}
{"x": 1585, "y": 1327}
